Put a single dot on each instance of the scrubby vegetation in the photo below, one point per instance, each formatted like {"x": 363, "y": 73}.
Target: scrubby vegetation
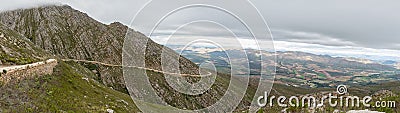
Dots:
{"x": 17, "y": 49}
{"x": 70, "y": 89}
{"x": 18, "y": 61}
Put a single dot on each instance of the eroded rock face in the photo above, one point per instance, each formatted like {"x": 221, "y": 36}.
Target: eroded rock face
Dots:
{"x": 69, "y": 33}
{"x": 17, "y": 49}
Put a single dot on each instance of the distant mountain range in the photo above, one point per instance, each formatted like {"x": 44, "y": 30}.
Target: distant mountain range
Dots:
{"x": 93, "y": 80}
{"x": 299, "y": 69}
{"x": 216, "y": 54}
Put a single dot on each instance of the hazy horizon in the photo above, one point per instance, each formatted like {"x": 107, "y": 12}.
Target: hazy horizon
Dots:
{"x": 302, "y": 35}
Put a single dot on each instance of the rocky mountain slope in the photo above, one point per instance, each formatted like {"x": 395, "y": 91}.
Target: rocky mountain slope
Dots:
{"x": 48, "y": 88}
{"x": 71, "y": 88}
{"x": 17, "y": 49}
{"x": 70, "y": 34}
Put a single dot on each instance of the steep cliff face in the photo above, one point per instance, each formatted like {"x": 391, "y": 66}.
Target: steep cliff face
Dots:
{"x": 15, "y": 49}
{"x": 69, "y": 33}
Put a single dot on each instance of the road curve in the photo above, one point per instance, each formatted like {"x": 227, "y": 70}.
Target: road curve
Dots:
{"x": 159, "y": 71}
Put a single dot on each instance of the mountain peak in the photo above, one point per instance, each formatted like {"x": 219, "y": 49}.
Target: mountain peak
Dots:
{"x": 67, "y": 32}
{"x": 118, "y": 25}
{"x": 71, "y": 34}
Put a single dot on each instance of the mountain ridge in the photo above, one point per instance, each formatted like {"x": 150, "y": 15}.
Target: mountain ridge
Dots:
{"x": 61, "y": 31}
{"x": 88, "y": 39}
{"x": 70, "y": 34}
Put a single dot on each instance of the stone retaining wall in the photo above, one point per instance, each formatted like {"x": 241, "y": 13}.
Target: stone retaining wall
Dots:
{"x": 17, "y": 73}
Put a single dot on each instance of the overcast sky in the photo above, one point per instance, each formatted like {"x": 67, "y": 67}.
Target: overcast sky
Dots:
{"x": 337, "y": 26}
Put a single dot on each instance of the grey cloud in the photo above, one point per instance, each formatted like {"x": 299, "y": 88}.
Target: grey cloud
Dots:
{"x": 366, "y": 23}
{"x": 20, "y": 4}
{"x": 308, "y": 37}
